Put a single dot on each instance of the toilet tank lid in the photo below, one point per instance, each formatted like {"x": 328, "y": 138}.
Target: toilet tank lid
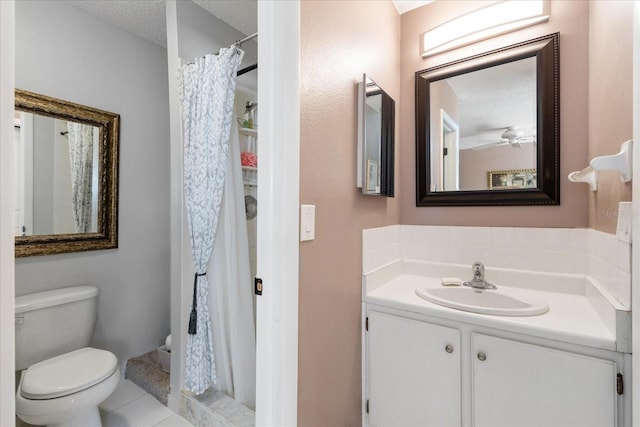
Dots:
{"x": 44, "y": 299}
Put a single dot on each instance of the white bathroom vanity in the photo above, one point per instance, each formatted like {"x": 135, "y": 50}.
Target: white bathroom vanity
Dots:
{"x": 425, "y": 364}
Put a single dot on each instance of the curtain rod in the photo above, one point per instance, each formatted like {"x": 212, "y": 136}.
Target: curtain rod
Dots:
{"x": 246, "y": 39}
{"x": 238, "y": 44}
{"x": 245, "y": 70}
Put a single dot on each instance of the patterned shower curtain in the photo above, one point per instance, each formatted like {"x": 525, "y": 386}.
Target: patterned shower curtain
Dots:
{"x": 207, "y": 89}
{"x": 81, "y": 168}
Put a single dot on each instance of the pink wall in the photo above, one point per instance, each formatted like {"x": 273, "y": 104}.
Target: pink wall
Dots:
{"x": 474, "y": 164}
{"x": 571, "y": 19}
{"x": 610, "y": 102}
{"x": 340, "y": 40}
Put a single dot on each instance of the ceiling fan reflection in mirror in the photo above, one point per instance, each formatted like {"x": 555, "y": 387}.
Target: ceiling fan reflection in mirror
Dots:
{"x": 514, "y": 136}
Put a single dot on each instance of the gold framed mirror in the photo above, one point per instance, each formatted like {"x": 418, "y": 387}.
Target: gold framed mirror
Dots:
{"x": 66, "y": 176}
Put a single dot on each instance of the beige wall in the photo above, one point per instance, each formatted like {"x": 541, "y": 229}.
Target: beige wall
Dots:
{"x": 340, "y": 40}
{"x": 570, "y": 18}
{"x": 610, "y": 102}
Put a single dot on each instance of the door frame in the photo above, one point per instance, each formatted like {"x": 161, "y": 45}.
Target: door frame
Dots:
{"x": 635, "y": 232}
{"x": 7, "y": 255}
{"x": 449, "y": 128}
{"x": 278, "y": 220}
{"x": 278, "y": 201}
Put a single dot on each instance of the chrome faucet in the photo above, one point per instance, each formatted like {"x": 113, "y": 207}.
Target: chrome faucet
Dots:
{"x": 478, "y": 281}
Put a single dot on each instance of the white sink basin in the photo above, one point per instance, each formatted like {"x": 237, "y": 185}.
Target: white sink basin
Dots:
{"x": 494, "y": 302}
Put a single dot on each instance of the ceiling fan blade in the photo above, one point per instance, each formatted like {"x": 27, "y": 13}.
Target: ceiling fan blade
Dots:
{"x": 497, "y": 129}
{"x": 484, "y": 145}
{"x": 522, "y": 140}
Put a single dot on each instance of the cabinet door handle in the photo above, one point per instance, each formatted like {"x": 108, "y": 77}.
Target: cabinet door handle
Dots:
{"x": 482, "y": 357}
{"x": 448, "y": 348}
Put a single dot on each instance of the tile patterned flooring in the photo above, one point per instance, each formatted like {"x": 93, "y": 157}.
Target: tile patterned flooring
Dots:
{"x": 130, "y": 406}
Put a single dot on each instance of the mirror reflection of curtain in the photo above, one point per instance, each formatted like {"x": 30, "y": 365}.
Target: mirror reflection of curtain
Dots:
{"x": 207, "y": 89}
{"x": 81, "y": 168}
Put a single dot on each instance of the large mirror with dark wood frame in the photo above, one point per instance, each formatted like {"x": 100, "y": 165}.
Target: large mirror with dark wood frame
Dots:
{"x": 488, "y": 128}
{"x": 66, "y": 176}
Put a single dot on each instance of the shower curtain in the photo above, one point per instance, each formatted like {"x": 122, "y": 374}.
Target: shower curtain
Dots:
{"x": 231, "y": 298}
{"x": 207, "y": 92}
{"x": 81, "y": 167}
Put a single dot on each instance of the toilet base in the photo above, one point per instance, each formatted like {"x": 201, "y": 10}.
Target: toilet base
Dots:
{"x": 89, "y": 417}
{"x": 75, "y": 410}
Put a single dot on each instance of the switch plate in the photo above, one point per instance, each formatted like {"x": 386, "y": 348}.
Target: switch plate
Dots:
{"x": 307, "y": 222}
{"x": 625, "y": 216}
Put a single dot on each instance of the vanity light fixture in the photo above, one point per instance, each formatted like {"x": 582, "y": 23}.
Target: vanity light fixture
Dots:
{"x": 489, "y": 21}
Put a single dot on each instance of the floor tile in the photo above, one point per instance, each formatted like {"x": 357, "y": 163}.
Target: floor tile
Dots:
{"x": 125, "y": 393}
{"x": 143, "y": 412}
{"x": 20, "y": 423}
{"x": 174, "y": 421}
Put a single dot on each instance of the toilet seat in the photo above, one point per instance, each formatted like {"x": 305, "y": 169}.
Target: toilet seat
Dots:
{"x": 67, "y": 374}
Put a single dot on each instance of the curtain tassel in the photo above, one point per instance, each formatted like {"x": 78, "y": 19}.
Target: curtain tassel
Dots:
{"x": 193, "y": 317}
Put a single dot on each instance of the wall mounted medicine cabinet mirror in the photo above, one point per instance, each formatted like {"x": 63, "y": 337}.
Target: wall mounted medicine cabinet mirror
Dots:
{"x": 376, "y": 128}
{"x": 66, "y": 176}
{"x": 487, "y": 128}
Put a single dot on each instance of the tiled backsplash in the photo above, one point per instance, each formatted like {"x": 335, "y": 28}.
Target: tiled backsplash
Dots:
{"x": 557, "y": 250}
{"x": 609, "y": 263}
{"x": 380, "y": 246}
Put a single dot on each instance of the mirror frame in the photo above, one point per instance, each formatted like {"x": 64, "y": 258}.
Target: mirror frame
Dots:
{"x": 546, "y": 51}
{"x": 386, "y": 173}
{"x": 106, "y": 236}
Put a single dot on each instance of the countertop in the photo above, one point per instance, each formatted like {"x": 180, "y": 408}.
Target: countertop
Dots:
{"x": 575, "y": 315}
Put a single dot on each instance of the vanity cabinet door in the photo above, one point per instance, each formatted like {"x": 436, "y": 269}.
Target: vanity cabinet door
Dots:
{"x": 413, "y": 373}
{"x": 516, "y": 384}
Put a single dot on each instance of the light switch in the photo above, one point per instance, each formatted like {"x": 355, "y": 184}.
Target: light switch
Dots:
{"x": 307, "y": 222}
{"x": 625, "y": 215}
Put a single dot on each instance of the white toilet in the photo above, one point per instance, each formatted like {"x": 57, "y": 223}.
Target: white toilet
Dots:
{"x": 63, "y": 380}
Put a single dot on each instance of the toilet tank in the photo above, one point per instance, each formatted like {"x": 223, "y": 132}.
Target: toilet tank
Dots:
{"x": 53, "y": 322}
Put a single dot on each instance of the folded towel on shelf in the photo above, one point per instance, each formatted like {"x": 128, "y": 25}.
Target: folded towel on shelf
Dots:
{"x": 248, "y": 158}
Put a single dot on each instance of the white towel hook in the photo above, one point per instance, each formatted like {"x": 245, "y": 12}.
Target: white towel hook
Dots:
{"x": 588, "y": 175}
{"x": 621, "y": 163}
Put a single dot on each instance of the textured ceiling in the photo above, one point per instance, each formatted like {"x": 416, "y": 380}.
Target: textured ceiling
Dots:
{"x": 143, "y": 18}
{"x": 240, "y": 14}
{"x": 146, "y": 18}
{"x": 493, "y": 99}
{"x": 403, "y": 6}
{"x": 497, "y": 97}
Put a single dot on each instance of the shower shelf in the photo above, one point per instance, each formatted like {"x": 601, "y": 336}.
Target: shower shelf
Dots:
{"x": 249, "y": 139}
{"x": 248, "y": 132}
{"x": 250, "y": 175}
{"x": 621, "y": 163}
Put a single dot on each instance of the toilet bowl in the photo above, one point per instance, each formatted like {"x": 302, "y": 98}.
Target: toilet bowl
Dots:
{"x": 62, "y": 380}
{"x": 66, "y": 390}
